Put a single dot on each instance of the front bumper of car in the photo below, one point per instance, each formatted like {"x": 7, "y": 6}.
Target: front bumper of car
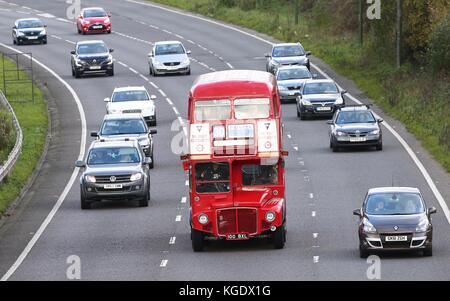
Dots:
{"x": 287, "y": 94}
{"x": 96, "y": 28}
{"x": 88, "y": 68}
{"x": 377, "y": 242}
{"x": 162, "y": 69}
{"x": 129, "y": 190}
{"x": 348, "y": 141}
{"x": 319, "y": 109}
{"x": 32, "y": 39}
{"x": 150, "y": 119}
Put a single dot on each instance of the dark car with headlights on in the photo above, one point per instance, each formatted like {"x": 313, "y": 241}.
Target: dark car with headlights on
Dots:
{"x": 30, "y": 30}
{"x": 92, "y": 57}
{"x": 394, "y": 219}
{"x": 287, "y": 54}
{"x": 290, "y": 80}
{"x": 321, "y": 97}
{"x": 355, "y": 126}
{"x": 115, "y": 170}
{"x": 133, "y": 126}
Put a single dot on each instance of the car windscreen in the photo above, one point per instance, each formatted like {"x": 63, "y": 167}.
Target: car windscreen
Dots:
{"x": 113, "y": 155}
{"x": 123, "y": 126}
{"x": 394, "y": 204}
{"x": 355, "y": 117}
{"x": 30, "y": 24}
{"x": 94, "y": 13}
{"x": 212, "y": 177}
{"x": 167, "y": 49}
{"x": 252, "y": 108}
{"x": 254, "y": 175}
{"x": 208, "y": 110}
{"x": 288, "y": 74}
{"x": 92, "y": 48}
{"x": 286, "y": 51}
{"x": 130, "y": 96}
{"x": 320, "y": 88}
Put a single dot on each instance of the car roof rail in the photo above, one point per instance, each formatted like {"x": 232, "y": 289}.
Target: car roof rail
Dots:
{"x": 367, "y": 105}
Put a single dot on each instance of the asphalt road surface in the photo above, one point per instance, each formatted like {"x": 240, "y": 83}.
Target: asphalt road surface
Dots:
{"x": 120, "y": 241}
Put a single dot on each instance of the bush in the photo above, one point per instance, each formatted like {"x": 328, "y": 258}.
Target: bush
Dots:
{"x": 6, "y": 130}
{"x": 439, "y": 49}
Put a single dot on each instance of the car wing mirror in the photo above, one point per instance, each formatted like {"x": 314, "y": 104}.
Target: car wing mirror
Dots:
{"x": 308, "y": 53}
{"x": 330, "y": 122}
{"x": 380, "y": 120}
{"x": 344, "y": 92}
{"x": 80, "y": 164}
{"x": 357, "y": 212}
{"x": 153, "y": 97}
{"x": 45, "y": 25}
{"x": 14, "y": 27}
{"x": 153, "y": 132}
{"x": 188, "y": 52}
{"x": 267, "y": 55}
{"x": 111, "y": 50}
{"x": 432, "y": 210}
{"x": 107, "y": 99}
{"x": 148, "y": 160}
{"x": 73, "y": 52}
{"x": 94, "y": 134}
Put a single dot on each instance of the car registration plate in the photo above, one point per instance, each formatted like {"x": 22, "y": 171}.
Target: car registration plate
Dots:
{"x": 32, "y": 38}
{"x": 358, "y": 139}
{"x": 397, "y": 238}
{"x": 241, "y": 236}
{"x": 95, "y": 67}
{"x": 97, "y": 27}
{"x": 323, "y": 109}
{"x": 292, "y": 93}
{"x": 112, "y": 186}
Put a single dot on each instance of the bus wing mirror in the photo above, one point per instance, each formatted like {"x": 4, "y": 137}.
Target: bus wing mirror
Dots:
{"x": 186, "y": 165}
{"x": 285, "y": 153}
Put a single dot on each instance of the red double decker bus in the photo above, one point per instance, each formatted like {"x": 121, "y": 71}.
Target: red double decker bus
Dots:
{"x": 235, "y": 160}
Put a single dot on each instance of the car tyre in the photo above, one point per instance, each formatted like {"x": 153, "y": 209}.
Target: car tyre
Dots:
{"x": 302, "y": 116}
{"x": 379, "y": 147}
{"x": 188, "y": 72}
{"x": 198, "y": 240}
{"x": 152, "y": 165}
{"x": 84, "y": 203}
{"x": 111, "y": 72}
{"x": 335, "y": 148}
{"x": 77, "y": 74}
{"x": 428, "y": 252}
{"x": 144, "y": 201}
{"x": 363, "y": 253}
{"x": 279, "y": 237}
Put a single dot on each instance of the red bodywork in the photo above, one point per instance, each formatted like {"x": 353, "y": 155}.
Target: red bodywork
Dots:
{"x": 87, "y": 24}
{"x": 241, "y": 207}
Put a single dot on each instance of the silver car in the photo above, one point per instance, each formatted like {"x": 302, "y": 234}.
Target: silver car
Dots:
{"x": 169, "y": 57}
{"x": 287, "y": 54}
{"x": 290, "y": 80}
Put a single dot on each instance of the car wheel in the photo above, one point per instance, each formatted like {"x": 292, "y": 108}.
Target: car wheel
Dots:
{"x": 109, "y": 31}
{"x": 14, "y": 41}
{"x": 302, "y": 116}
{"x": 279, "y": 237}
{"x": 363, "y": 253}
{"x": 428, "y": 252}
{"x": 379, "y": 147}
{"x": 298, "y": 113}
{"x": 84, "y": 203}
{"x": 19, "y": 42}
{"x": 111, "y": 72}
{"x": 335, "y": 148}
{"x": 150, "y": 70}
{"x": 331, "y": 144}
{"x": 144, "y": 201}
{"x": 44, "y": 42}
{"x": 197, "y": 238}
{"x": 188, "y": 72}
{"x": 152, "y": 165}
{"x": 77, "y": 74}
{"x": 73, "y": 71}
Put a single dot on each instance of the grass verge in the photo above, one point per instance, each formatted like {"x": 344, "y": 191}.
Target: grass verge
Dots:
{"x": 34, "y": 122}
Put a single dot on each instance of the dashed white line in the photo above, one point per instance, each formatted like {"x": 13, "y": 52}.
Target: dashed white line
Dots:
{"x": 23, "y": 12}
{"x": 133, "y": 70}
{"x": 154, "y": 85}
{"x": 123, "y": 64}
{"x": 313, "y": 213}
{"x": 143, "y": 77}
{"x": 289, "y": 136}
{"x": 178, "y": 218}
{"x": 175, "y": 110}
{"x": 162, "y": 93}
{"x": 187, "y": 183}
{"x": 70, "y": 42}
{"x": 190, "y": 41}
{"x": 311, "y": 195}
{"x": 46, "y": 15}
{"x": 230, "y": 66}
{"x": 316, "y": 259}
{"x": 172, "y": 240}
{"x": 169, "y": 101}
{"x": 315, "y": 235}
{"x": 164, "y": 263}
{"x": 183, "y": 200}
{"x": 295, "y": 148}
{"x": 56, "y": 37}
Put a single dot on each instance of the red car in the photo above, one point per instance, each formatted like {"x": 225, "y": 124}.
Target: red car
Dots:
{"x": 94, "y": 20}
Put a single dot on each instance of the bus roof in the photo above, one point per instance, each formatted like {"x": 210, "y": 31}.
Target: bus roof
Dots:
{"x": 235, "y": 83}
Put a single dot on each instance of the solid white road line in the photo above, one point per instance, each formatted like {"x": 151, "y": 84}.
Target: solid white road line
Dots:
{"x": 229, "y": 65}
{"x": 69, "y": 184}
{"x": 405, "y": 145}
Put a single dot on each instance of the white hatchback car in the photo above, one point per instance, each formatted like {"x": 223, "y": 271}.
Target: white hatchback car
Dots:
{"x": 169, "y": 57}
{"x": 132, "y": 100}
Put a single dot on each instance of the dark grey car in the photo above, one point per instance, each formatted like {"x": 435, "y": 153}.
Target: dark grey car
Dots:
{"x": 30, "y": 30}
{"x": 131, "y": 125}
{"x": 114, "y": 170}
{"x": 355, "y": 126}
{"x": 394, "y": 219}
{"x": 287, "y": 54}
{"x": 290, "y": 80}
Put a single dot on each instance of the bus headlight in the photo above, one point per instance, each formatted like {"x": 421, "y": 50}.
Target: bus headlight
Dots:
{"x": 203, "y": 219}
{"x": 270, "y": 216}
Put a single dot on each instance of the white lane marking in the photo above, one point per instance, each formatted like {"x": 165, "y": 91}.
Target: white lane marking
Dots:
{"x": 143, "y": 77}
{"x": 295, "y": 148}
{"x": 46, "y": 15}
{"x": 56, "y": 37}
{"x": 123, "y": 64}
{"x": 313, "y": 213}
{"x": 315, "y": 235}
{"x": 12, "y": 4}
{"x": 311, "y": 195}
{"x": 169, "y": 101}
{"x": 70, "y": 42}
{"x": 154, "y": 27}
{"x": 69, "y": 184}
{"x": 5, "y": 9}
{"x": 154, "y": 85}
{"x": 181, "y": 120}
{"x": 180, "y": 37}
{"x": 175, "y": 110}
{"x": 190, "y": 41}
{"x": 186, "y": 183}
{"x": 229, "y": 65}
{"x": 183, "y": 200}
{"x": 168, "y": 32}
{"x": 172, "y": 240}
{"x": 64, "y": 20}
{"x": 26, "y": 7}
{"x": 133, "y": 70}
{"x": 162, "y": 93}
{"x": 316, "y": 259}
{"x": 178, "y": 218}
{"x": 405, "y": 145}
{"x": 289, "y": 136}
{"x": 163, "y": 263}
{"x": 23, "y": 12}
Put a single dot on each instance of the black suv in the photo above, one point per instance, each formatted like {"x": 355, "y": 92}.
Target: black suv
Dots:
{"x": 92, "y": 57}
{"x": 355, "y": 126}
{"x": 130, "y": 125}
{"x": 115, "y": 170}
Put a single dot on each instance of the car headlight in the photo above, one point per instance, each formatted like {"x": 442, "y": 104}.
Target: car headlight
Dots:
{"x": 282, "y": 88}
{"x": 157, "y": 63}
{"x": 136, "y": 177}
{"x": 114, "y": 111}
{"x": 368, "y": 227}
{"x": 375, "y": 132}
{"x": 109, "y": 60}
{"x": 422, "y": 226}
{"x": 144, "y": 142}
{"x": 341, "y": 134}
{"x": 86, "y": 22}
{"x": 306, "y": 102}
{"x": 43, "y": 33}
{"x": 186, "y": 62}
{"x": 275, "y": 63}
{"x": 106, "y": 21}
{"x": 79, "y": 62}
{"x": 203, "y": 219}
{"x": 20, "y": 34}
{"x": 270, "y": 216}
{"x": 339, "y": 101}
{"x": 90, "y": 179}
